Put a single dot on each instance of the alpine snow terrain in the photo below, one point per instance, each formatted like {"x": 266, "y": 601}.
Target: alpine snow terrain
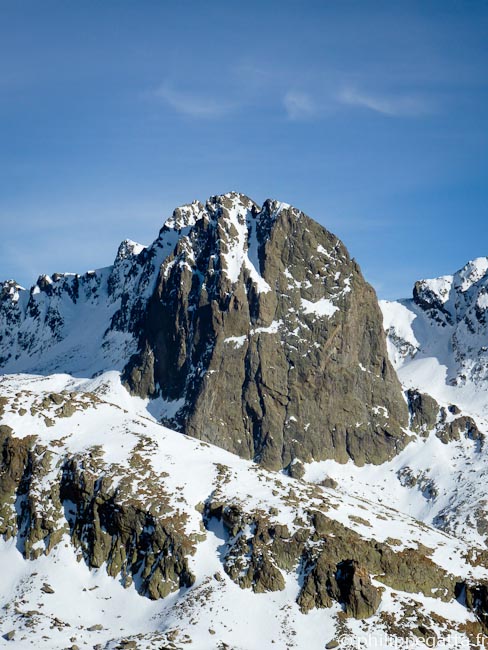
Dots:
{"x": 315, "y": 499}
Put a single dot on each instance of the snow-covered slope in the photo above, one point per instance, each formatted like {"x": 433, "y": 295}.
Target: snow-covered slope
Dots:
{"x": 257, "y": 540}
{"x": 77, "y": 323}
{"x": 439, "y": 339}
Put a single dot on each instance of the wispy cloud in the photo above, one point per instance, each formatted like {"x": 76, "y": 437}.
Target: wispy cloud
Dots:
{"x": 194, "y": 104}
{"x": 391, "y": 105}
{"x": 261, "y": 87}
{"x": 299, "y": 105}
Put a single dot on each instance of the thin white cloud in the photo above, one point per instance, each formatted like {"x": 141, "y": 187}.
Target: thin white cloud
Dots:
{"x": 299, "y": 105}
{"x": 393, "y": 106}
{"x": 192, "y": 104}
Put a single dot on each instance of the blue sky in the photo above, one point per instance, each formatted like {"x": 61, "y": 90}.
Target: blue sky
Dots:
{"x": 372, "y": 117}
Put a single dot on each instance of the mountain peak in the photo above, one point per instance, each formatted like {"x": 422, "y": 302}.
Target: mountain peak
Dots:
{"x": 233, "y": 199}
{"x": 238, "y": 226}
{"x": 127, "y": 249}
{"x": 449, "y": 297}
{"x": 471, "y": 273}
{"x": 246, "y": 300}
{"x": 184, "y": 216}
{"x": 10, "y": 289}
{"x": 232, "y": 299}
{"x": 188, "y": 214}
{"x": 227, "y": 206}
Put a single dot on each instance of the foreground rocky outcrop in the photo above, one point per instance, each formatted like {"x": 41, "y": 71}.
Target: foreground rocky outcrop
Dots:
{"x": 137, "y": 535}
{"x": 184, "y": 522}
{"x": 336, "y": 563}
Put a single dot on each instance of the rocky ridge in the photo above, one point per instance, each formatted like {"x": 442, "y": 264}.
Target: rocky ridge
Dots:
{"x": 437, "y": 342}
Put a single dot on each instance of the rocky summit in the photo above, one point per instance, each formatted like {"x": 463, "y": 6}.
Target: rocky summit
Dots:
{"x": 262, "y": 337}
{"x": 250, "y": 327}
{"x": 331, "y": 490}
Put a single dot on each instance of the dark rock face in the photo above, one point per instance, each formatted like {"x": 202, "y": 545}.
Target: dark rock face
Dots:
{"x": 263, "y": 337}
{"x": 424, "y": 411}
{"x": 463, "y": 425}
{"x": 358, "y": 595}
{"x": 426, "y": 415}
{"x": 131, "y": 540}
{"x": 476, "y": 598}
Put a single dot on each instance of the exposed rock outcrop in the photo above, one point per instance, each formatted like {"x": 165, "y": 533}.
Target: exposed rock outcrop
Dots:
{"x": 360, "y": 598}
{"x": 426, "y": 415}
{"x": 424, "y": 411}
{"x": 476, "y": 598}
{"x": 134, "y": 535}
{"x": 463, "y": 425}
{"x": 136, "y": 538}
{"x": 336, "y": 564}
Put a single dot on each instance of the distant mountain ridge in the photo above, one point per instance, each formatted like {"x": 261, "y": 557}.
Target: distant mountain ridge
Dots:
{"x": 446, "y": 320}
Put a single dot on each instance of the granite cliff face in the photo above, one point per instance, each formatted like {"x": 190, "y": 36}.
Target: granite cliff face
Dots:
{"x": 251, "y": 327}
{"x": 263, "y": 337}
